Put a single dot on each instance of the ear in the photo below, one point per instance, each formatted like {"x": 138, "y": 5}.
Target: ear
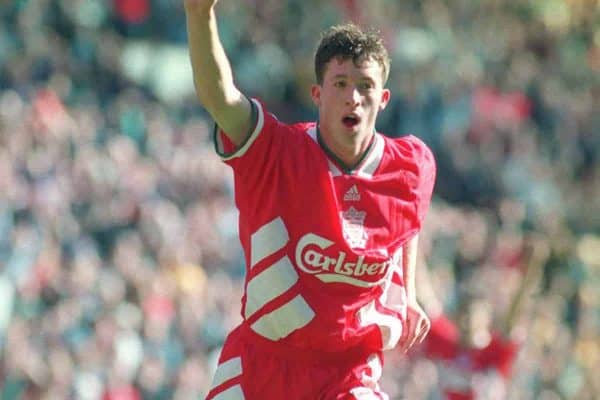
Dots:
{"x": 315, "y": 93}
{"x": 385, "y": 98}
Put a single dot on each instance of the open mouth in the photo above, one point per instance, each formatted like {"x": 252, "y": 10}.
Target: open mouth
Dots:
{"x": 351, "y": 121}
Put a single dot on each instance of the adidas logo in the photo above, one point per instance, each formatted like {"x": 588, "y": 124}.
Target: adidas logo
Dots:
{"x": 352, "y": 194}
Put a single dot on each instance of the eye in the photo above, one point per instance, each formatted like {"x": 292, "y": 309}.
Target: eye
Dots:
{"x": 366, "y": 85}
{"x": 339, "y": 84}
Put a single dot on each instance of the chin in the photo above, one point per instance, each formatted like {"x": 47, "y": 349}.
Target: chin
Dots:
{"x": 351, "y": 133}
{"x": 360, "y": 131}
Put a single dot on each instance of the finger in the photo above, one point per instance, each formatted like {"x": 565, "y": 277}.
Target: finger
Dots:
{"x": 405, "y": 331}
{"x": 406, "y": 335}
{"x": 420, "y": 332}
{"x": 412, "y": 337}
{"x": 425, "y": 325}
{"x": 423, "y": 332}
{"x": 411, "y": 342}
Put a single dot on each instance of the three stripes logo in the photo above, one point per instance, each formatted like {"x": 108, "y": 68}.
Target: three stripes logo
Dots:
{"x": 352, "y": 194}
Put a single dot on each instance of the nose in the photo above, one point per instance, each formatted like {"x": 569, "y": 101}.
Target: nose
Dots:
{"x": 353, "y": 97}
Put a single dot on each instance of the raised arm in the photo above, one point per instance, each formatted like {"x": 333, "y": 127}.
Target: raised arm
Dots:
{"x": 213, "y": 77}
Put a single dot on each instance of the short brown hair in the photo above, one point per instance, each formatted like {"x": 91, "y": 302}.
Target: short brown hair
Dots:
{"x": 348, "y": 41}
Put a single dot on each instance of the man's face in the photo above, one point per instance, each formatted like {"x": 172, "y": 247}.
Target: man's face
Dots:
{"x": 349, "y": 100}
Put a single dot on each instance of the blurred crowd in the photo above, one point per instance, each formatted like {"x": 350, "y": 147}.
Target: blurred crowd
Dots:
{"x": 120, "y": 270}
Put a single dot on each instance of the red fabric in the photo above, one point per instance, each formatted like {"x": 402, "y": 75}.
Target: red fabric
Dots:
{"x": 500, "y": 354}
{"x": 133, "y": 11}
{"x": 271, "y": 376}
{"x": 442, "y": 339}
{"x": 321, "y": 245}
{"x": 456, "y": 395}
{"x": 122, "y": 393}
{"x": 443, "y": 343}
{"x": 342, "y": 230}
{"x": 228, "y": 146}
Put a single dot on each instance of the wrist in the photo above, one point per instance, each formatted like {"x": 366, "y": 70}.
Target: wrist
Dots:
{"x": 411, "y": 294}
{"x": 199, "y": 11}
{"x": 412, "y": 300}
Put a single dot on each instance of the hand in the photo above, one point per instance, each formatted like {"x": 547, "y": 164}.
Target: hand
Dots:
{"x": 193, "y": 6}
{"x": 416, "y": 327}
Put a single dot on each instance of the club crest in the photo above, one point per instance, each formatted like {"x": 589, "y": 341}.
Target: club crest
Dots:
{"x": 353, "y": 226}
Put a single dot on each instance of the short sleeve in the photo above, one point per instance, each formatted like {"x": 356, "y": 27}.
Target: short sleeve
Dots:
{"x": 260, "y": 149}
{"x": 426, "y": 173}
{"x": 422, "y": 163}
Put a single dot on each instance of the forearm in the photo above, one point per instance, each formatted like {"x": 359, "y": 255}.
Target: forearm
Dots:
{"x": 417, "y": 322}
{"x": 409, "y": 262}
{"x": 426, "y": 294}
{"x": 213, "y": 76}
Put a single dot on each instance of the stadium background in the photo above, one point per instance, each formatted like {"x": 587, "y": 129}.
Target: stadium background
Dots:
{"x": 120, "y": 269}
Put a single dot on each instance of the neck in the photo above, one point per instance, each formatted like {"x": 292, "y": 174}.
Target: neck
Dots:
{"x": 348, "y": 155}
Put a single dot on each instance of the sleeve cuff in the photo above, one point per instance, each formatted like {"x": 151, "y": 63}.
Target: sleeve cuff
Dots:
{"x": 226, "y": 149}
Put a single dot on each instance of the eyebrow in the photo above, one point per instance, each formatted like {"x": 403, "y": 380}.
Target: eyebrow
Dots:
{"x": 362, "y": 78}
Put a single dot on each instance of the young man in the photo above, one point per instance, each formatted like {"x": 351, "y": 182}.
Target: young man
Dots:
{"x": 329, "y": 218}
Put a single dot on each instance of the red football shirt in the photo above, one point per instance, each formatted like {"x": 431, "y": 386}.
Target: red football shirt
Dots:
{"x": 323, "y": 244}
